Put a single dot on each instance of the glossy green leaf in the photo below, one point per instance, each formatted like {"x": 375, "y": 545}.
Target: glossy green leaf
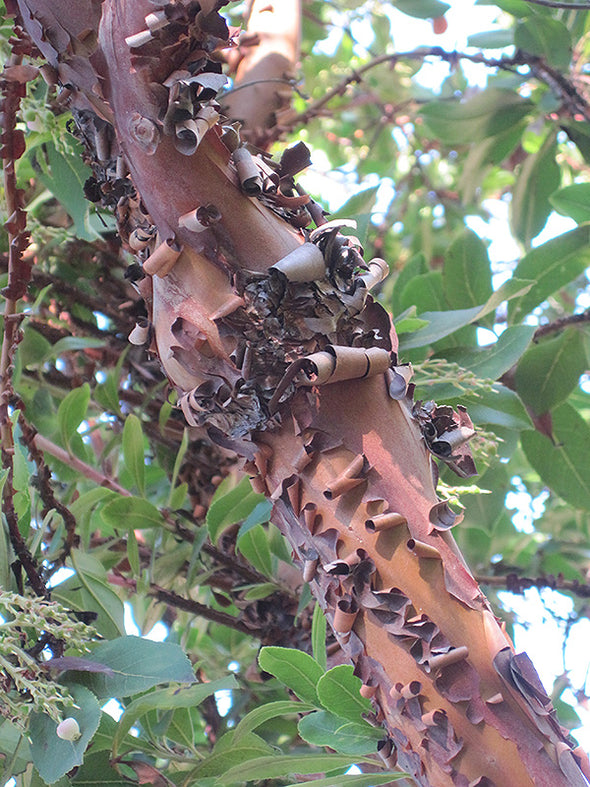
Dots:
{"x": 33, "y": 348}
{"x": 133, "y": 452}
{"x": 537, "y": 179}
{"x": 407, "y": 322}
{"x": 168, "y": 699}
{"x": 339, "y": 692}
{"x": 498, "y": 407}
{"x": 296, "y": 669}
{"x": 492, "y": 361}
{"x": 545, "y": 37}
{"x": 130, "y": 512}
{"x": 552, "y": 265}
{"x": 563, "y": 466}
{"x": 549, "y": 371}
{"x": 357, "y": 780}
{"x": 266, "y": 712}
{"x": 425, "y": 293}
{"x": 277, "y": 767}
{"x": 231, "y": 506}
{"x": 253, "y": 545}
{"x": 229, "y": 756}
{"x": 325, "y": 729}
{"x": 467, "y": 279}
{"x": 573, "y": 201}
{"x": 52, "y": 756}
{"x": 486, "y": 114}
{"x": 72, "y": 344}
{"x": 72, "y": 411}
{"x": 136, "y": 665}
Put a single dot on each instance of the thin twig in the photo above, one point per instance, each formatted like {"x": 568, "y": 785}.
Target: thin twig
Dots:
{"x": 560, "y": 324}
{"x": 187, "y": 605}
{"x": 44, "y": 444}
{"x": 516, "y": 584}
{"x": 556, "y": 4}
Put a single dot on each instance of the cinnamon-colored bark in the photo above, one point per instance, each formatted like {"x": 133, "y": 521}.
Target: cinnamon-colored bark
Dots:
{"x": 457, "y": 706}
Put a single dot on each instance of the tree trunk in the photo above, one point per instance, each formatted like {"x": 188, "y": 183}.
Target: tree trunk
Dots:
{"x": 294, "y": 367}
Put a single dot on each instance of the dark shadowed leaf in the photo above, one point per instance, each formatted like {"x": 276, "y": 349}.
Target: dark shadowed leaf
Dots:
{"x": 545, "y": 37}
{"x": 538, "y": 177}
{"x": 133, "y": 451}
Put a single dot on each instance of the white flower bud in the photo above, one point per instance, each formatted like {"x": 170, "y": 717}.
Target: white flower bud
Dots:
{"x": 68, "y": 730}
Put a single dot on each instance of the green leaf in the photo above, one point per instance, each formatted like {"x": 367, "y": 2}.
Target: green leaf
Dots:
{"x": 407, "y": 322}
{"x": 444, "y": 323}
{"x": 492, "y": 39}
{"x": 136, "y": 665}
{"x": 33, "y": 348}
{"x": 296, "y": 669}
{"x": 276, "y": 767}
{"x": 422, "y": 9}
{"x": 467, "y": 279}
{"x": 97, "y": 772}
{"x": 415, "y": 266}
{"x": 133, "y": 452}
{"x": 71, "y": 344}
{"x": 573, "y": 201}
{"x": 65, "y": 179}
{"x": 88, "y": 591}
{"x": 564, "y": 467}
{"x": 259, "y": 515}
{"x": 72, "y": 411}
{"x": 425, "y": 293}
{"x": 486, "y": 114}
{"x": 126, "y": 513}
{"x": 492, "y": 361}
{"x": 52, "y": 756}
{"x": 168, "y": 699}
{"x": 264, "y": 713}
{"x": 359, "y": 208}
{"x": 552, "y": 265}
{"x": 177, "y": 465}
{"x": 133, "y": 553}
{"x": 545, "y": 37}
{"x": 318, "y": 636}
{"x": 357, "y": 780}
{"x": 498, "y": 407}
{"x": 229, "y": 756}
{"x": 537, "y": 179}
{"x": 229, "y": 507}
{"x": 253, "y": 544}
{"x": 339, "y": 692}
{"x": 325, "y": 729}
{"x": 550, "y": 370}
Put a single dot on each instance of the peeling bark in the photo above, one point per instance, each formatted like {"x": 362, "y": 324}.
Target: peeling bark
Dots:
{"x": 294, "y": 366}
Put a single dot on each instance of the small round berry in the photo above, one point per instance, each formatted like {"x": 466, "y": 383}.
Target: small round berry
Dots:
{"x": 68, "y": 730}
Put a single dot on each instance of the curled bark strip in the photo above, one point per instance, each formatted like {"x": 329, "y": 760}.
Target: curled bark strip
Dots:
{"x": 141, "y": 238}
{"x": 305, "y": 263}
{"x": 451, "y": 657}
{"x": 377, "y": 271}
{"x": 201, "y": 218}
{"x": 309, "y": 569}
{"x": 398, "y": 379}
{"x": 421, "y": 549}
{"x": 385, "y": 522}
{"x": 248, "y": 172}
{"x": 346, "y": 611}
{"x": 442, "y": 517}
{"x": 140, "y": 334}
{"x": 139, "y": 39}
{"x": 163, "y": 259}
{"x": 352, "y": 475}
{"x": 337, "y": 363}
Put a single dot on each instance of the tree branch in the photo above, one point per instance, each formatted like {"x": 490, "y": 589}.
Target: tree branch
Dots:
{"x": 514, "y": 583}
{"x": 560, "y": 324}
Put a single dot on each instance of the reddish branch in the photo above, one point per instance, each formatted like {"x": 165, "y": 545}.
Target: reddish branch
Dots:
{"x": 12, "y": 89}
